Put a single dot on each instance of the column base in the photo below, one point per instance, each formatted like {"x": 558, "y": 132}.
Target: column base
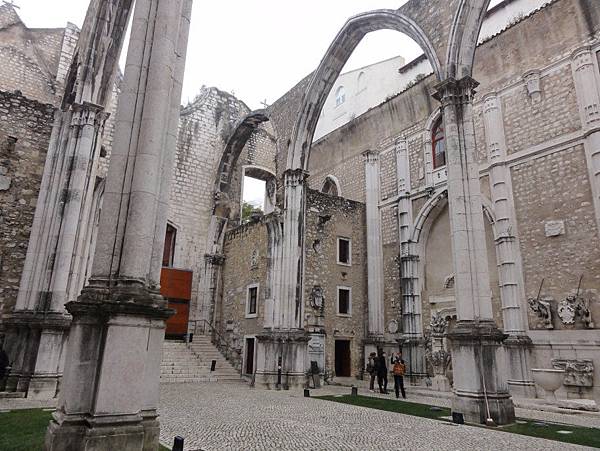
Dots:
{"x": 480, "y": 389}
{"x": 43, "y": 387}
{"x": 106, "y": 433}
{"x": 287, "y": 351}
{"x": 518, "y": 349}
{"x": 413, "y": 353}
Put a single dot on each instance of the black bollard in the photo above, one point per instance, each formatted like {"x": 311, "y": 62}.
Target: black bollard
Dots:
{"x": 278, "y": 374}
{"x": 178, "y": 443}
{"x": 306, "y": 393}
{"x": 458, "y": 418}
{"x": 213, "y": 365}
{"x": 354, "y": 391}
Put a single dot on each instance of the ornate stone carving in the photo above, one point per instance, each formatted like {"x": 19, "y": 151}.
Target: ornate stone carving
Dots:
{"x": 438, "y": 324}
{"x": 440, "y": 361}
{"x": 223, "y": 205}
{"x": 393, "y": 326}
{"x": 578, "y": 373}
{"x": 317, "y": 299}
{"x": 542, "y": 310}
{"x": 254, "y": 259}
{"x": 533, "y": 85}
{"x": 573, "y": 306}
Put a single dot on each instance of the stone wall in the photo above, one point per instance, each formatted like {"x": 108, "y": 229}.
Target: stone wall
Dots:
{"x": 246, "y": 262}
{"x": 327, "y": 218}
{"x": 204, "y": 128}
{"x": 34, "y": 59}
{"x": 25, "y": 127}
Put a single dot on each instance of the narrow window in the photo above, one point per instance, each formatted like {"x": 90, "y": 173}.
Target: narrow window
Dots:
{"x": 344, "y": 301}
{"x": 344, "y": 256}
{"x": 330, "y": 187}
{"x": 252, "y": 302}
{"x": 340, "y": 96}
{"x": 169, "y": 249}
{"x": 438, "y": 145}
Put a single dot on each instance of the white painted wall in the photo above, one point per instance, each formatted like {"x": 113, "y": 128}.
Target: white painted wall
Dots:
{"x": 383, "y": 80}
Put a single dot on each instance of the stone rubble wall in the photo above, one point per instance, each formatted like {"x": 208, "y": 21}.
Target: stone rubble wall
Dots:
{"x": 21, "y": 167}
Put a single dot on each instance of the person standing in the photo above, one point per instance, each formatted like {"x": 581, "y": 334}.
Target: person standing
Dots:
{"x": 382, "y": 371}
{"x": 371, "y": 363}
{"x": 3, "y": 364}
{"x": 398, "y": 369}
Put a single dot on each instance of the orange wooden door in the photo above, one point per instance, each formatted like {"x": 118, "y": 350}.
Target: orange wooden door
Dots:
{"x": 176, "y": 286}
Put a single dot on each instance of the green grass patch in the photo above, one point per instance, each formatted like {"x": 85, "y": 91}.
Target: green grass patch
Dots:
{"x": 392, "y": 405}
{"x": 578, "y": 436}
{"x": 24, "y": 430}
{"x": 533, "y": 428}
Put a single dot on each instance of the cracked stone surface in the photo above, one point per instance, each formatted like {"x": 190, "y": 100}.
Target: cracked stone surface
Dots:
{"x": 236, "y": 417}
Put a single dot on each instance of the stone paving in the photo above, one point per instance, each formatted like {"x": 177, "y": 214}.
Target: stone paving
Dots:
{"x": 236, "y": 417}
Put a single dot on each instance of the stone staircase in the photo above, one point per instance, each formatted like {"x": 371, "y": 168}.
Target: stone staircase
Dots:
{"x": 183, "y": 363}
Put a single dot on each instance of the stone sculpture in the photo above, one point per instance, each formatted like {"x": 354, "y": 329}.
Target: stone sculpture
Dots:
{"x": 317, "y": 299}
{"x": 542, "y": 310}
{"x": 578, "y": 373}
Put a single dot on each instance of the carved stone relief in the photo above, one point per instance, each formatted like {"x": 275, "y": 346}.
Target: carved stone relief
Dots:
{"x": 542, "y": 310}
{"x": 438, "y": 324}
{"x": 317, "y": 299}
{"x": 578, "y": 373}
{"x": 575, "y": 306}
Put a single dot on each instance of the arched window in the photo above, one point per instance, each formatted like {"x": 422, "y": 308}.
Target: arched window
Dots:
{"x": 169, "y": 249}
{"x": 361, "y": 82}
{"x": 340, "y": 96}
{"x": 330, "y": 187}
{"x": 438, "y": 144}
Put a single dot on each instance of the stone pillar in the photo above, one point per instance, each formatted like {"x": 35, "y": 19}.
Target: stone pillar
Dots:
{"x": 512, "y": 290}
{"x": 111, "y": 380}
{"x": 376, "y": 326}
{"x": 477, "y": 355}
{"x": 412, "y": 327}
{"x": 213, "y": 261}
{"x": 283, "y": 348}
{"x": 587, "y": 88}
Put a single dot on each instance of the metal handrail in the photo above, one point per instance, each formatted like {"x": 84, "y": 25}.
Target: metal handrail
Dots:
{"x": 222, "y": 342}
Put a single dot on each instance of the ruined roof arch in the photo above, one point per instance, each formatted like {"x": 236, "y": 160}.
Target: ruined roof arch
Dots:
{"x": 323, "y": 79}
{"x": 463, "y": 38}
{"x": 234, "y": 146}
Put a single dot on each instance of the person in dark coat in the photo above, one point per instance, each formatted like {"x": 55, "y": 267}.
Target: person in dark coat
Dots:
{"x": 3, "y": 363}
{"x": 398, "y": 369}
{"x": 382, "y": 371}
{"x": 371, "y": 369}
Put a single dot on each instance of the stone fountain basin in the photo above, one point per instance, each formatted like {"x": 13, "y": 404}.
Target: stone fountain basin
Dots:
{"x": 549, "y": 379}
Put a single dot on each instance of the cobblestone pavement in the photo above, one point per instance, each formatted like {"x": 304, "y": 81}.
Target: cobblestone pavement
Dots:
{"x": 236, "y": 417}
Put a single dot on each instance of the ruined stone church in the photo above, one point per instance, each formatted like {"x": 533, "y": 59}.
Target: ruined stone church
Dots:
{"x": 457, "y": 221}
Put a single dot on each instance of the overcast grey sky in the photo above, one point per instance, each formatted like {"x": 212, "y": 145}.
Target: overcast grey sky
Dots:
{"x": 256, "y": 49}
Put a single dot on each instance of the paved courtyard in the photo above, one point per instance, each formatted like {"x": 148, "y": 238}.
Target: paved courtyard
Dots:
{"x": 236, "y": 417}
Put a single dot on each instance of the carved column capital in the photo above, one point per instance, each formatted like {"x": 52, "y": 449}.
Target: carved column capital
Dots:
{"x": 581, "y": 58}
{"x": 370, "y": 157}
{"x": 456, "y": 92}
{"x": 295, "y": 177}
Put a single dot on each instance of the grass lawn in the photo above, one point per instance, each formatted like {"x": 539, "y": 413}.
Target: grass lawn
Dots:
{"x": 24, "y": 430}
{"x": 575, "y": 434}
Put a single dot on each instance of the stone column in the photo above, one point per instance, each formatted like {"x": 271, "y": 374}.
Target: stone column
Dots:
{"x": 476, "y": 340}
{"x": 376, "y": 326}
{"x": 512, "y": 291}
{"x": 283, "y": 347}
{"x": 587, "y": 88}
{"x": 110, "y": 389}
{"x": 412, "y": 327}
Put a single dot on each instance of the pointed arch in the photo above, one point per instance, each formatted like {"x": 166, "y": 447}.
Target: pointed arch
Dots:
{"x": 334, "y": 60}
{"x": 464, "y": 35}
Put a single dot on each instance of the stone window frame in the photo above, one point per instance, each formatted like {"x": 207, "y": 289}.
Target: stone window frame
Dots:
{"x": 337, "y": 251}
{"x": 334, "y": 181}
{"x": 247, "y": 312}
{"x": 439, "y": 175}
{"x": 337, "y": 302}
{"x": 172, "y": 247}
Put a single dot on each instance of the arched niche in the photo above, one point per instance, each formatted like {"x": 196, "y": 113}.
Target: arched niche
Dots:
{"x": 435, "y": 267}
{"x": 331, "y": 186}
